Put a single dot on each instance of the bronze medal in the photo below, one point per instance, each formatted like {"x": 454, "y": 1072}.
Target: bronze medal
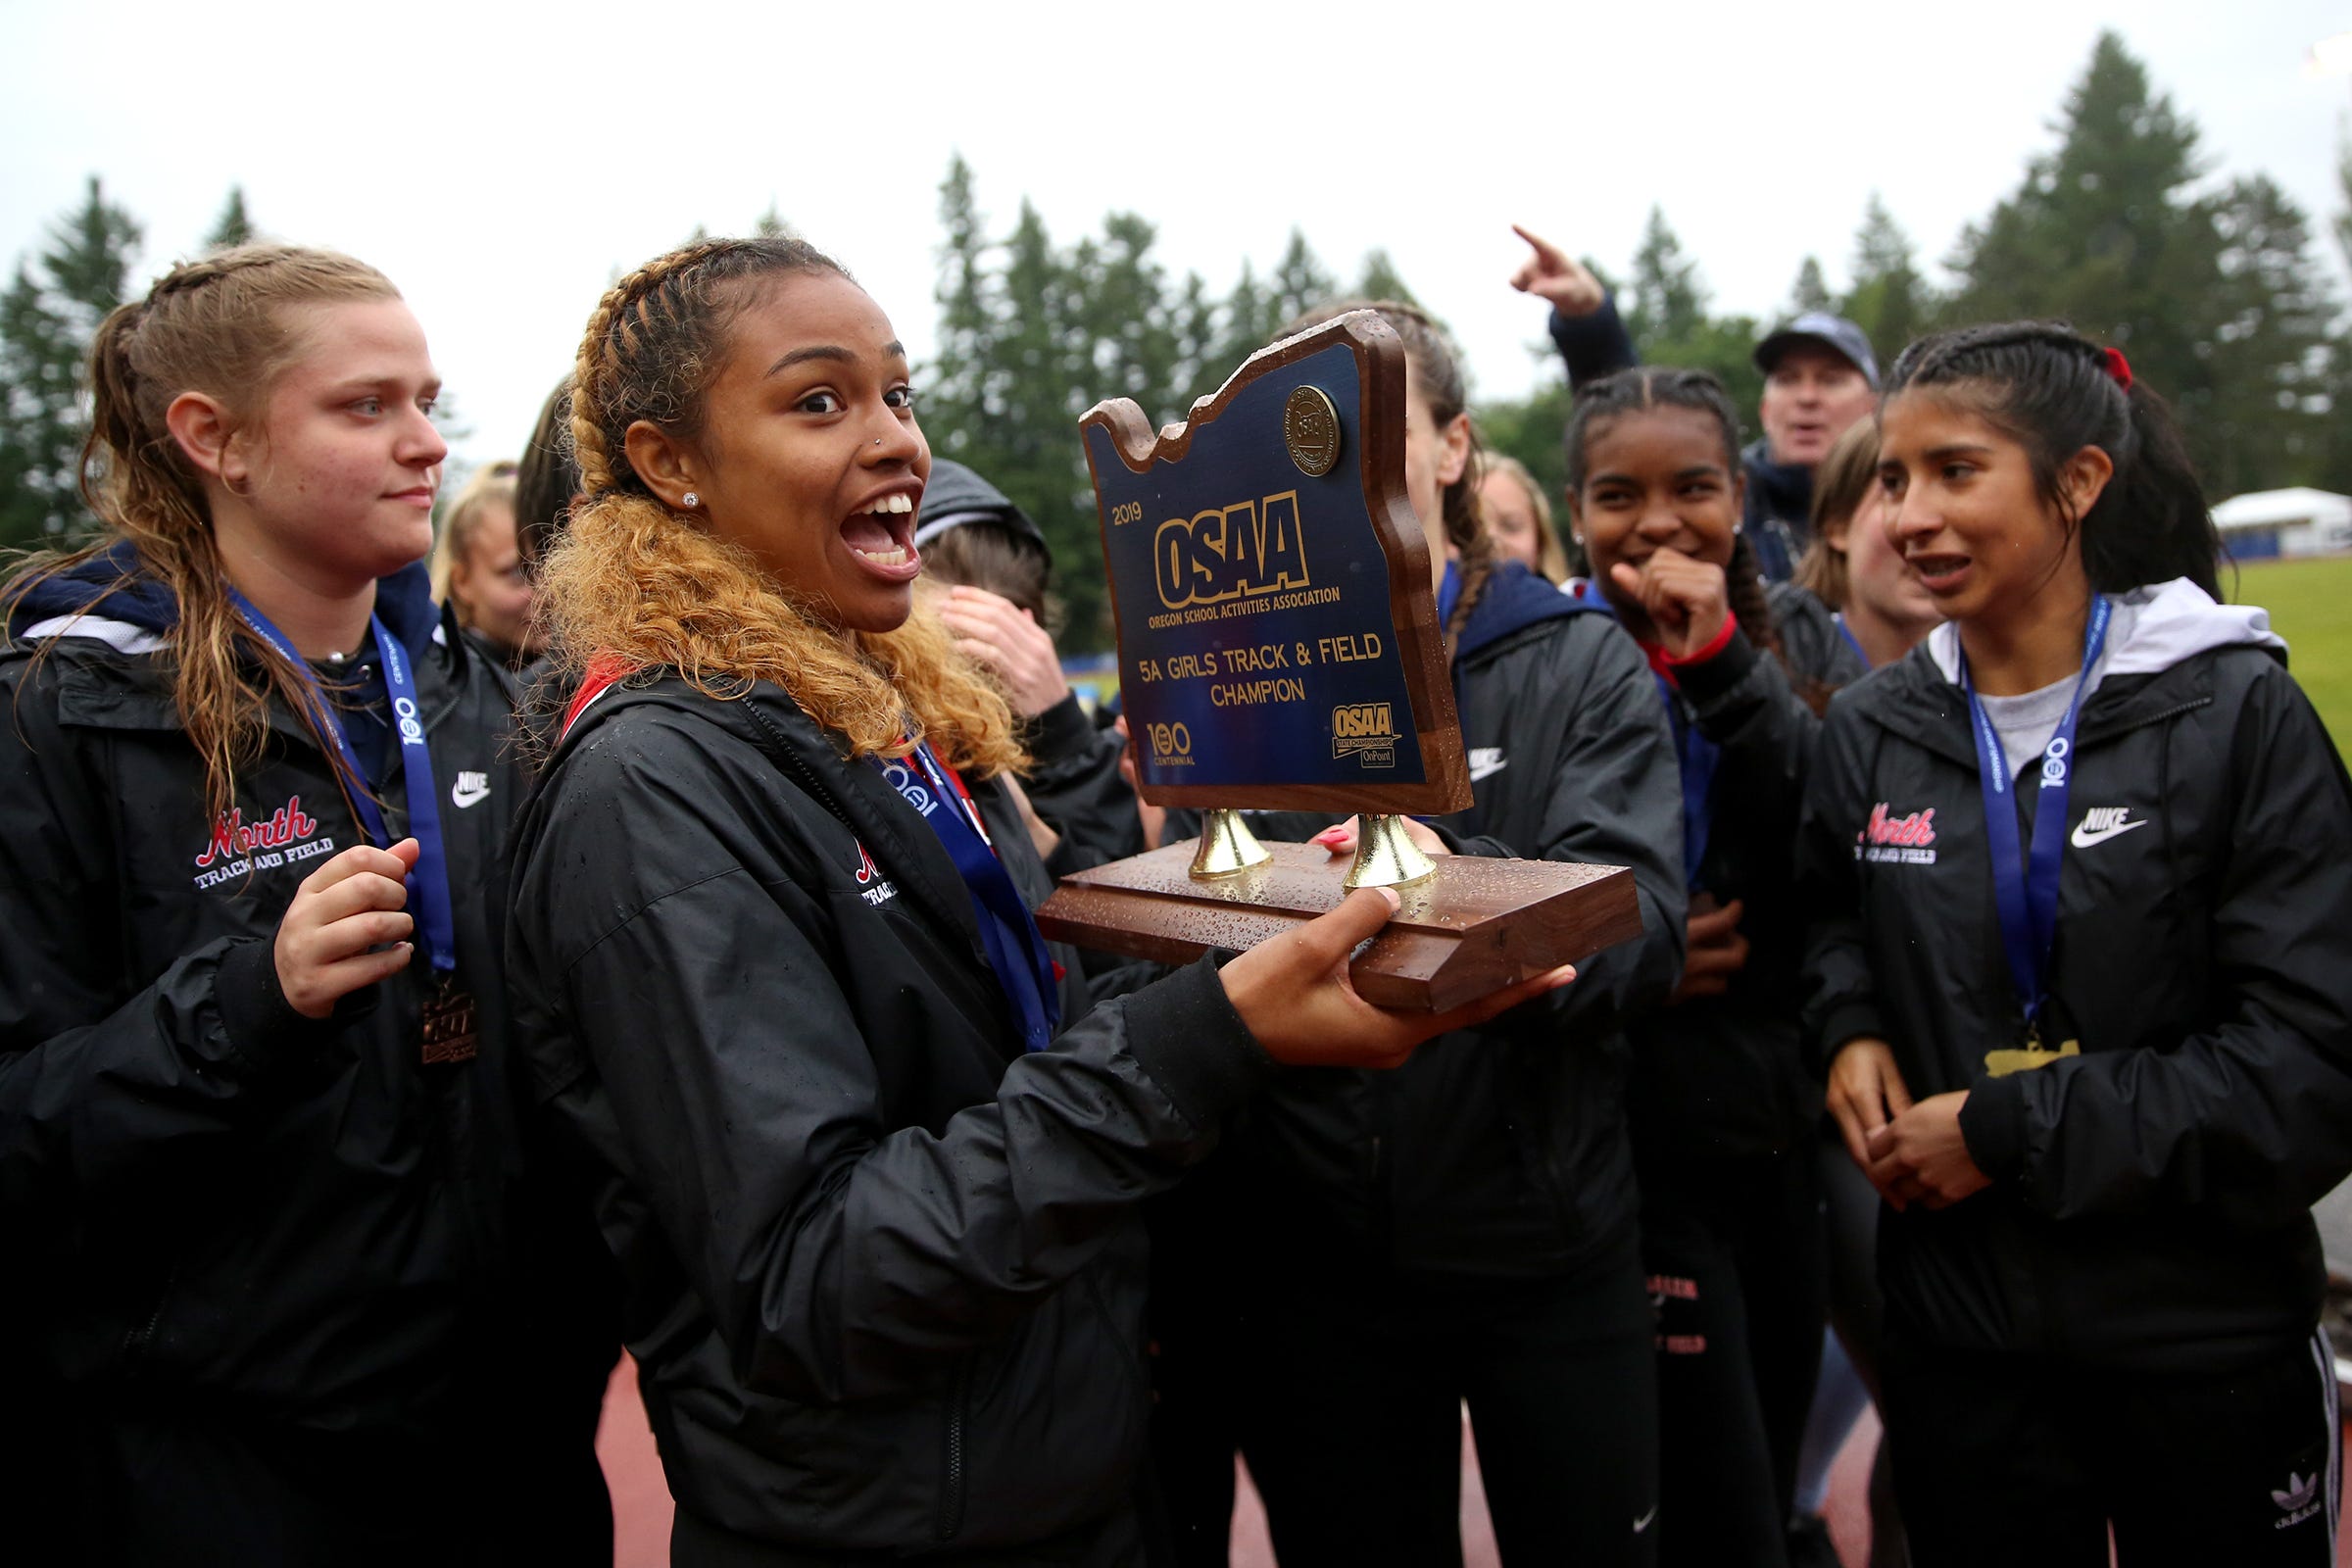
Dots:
{"x": 451, "y": 1032}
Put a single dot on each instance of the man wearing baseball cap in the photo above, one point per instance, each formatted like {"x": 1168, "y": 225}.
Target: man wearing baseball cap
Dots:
{"x": 1819, "y": 377}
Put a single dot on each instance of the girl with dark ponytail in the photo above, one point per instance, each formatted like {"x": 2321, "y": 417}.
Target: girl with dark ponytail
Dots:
{"x": 1380, "y": 1251}
{"x": 2098, "y": 1073}
{"x": 1722, "y": 1110}
{"x": 260, "y": 1168}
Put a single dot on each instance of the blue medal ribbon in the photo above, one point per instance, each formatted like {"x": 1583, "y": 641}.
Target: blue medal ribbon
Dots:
{"x": 428, "y": 882}
{"x": 1848, "y": 632}
{"x": 2025, "y": 886}
{"x": 1016, "y": 950}
{"x": 1695, "y": 756}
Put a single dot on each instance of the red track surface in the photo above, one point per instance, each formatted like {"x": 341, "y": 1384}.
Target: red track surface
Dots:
{"x": 641, "y": 1506}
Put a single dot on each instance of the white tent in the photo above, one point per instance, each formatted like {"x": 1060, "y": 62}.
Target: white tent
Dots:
{"x": 2298, "y": 521}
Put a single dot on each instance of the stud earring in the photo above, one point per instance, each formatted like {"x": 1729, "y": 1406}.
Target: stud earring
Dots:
{"x": 692, "y": 500}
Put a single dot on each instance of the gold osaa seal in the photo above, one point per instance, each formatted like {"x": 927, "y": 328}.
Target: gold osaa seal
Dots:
{"x": 1310, "y": 427}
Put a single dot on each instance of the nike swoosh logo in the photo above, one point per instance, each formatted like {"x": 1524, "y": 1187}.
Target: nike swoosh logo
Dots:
{"x": 1642, "y": 1523}
{"x": 1486, "y": 767}
{"x": 2087, "y": 835}
{"x": 462, "y": 797}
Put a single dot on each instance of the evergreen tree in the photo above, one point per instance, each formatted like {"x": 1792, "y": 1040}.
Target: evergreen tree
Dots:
{"x": 1300, "y": 285}
{"x": 1890, "y": 301}
{"x": 955, "y": 406}
{"x": 2343, "y": 190}
{"x": 1669, "y": 321}
{"x": 1196, "y": 371}
{"x": 232, "y": 227}
{"x": 1668, "y": 304}
{"x": 2108, "y": 233}
{"x": 1135, "y": 340}
{"x": 1380, "y": 281}
{"x": 2334, "y": 466}
{"x": 1042, "y": 350}
{"x": 770, "y": 224}
{"x": 48, "y": 316}
{"x": 2270, "y": 351}
{"x": 1530, "y": 429}
{"x": 1250, "y": 318}
{"x": 1810, "y": 292}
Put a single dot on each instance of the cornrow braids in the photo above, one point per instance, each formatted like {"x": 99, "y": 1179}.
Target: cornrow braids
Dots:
{"x": 628, "y": 576}
{"x": 226, "y": 326}
{"x": 2054, "y": 392}
{"x": 1438, "y": 372}
{"x": 654, "y": 341}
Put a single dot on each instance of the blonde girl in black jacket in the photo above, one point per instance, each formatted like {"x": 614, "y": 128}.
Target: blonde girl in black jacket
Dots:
{"x": 261, "y": 1168}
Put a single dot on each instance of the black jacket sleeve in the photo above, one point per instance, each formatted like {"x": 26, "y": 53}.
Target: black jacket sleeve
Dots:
{"x": 843, "y": 1255}
{"x": 1074, "y": 785}
{"x": 104, "y": 1086}
{"x": 2251, "y": 1117}
{"x": 1596, "y": 345}
{"x": 1841, "y": 1000}
{"x": 1614, "y": 797}
{"x": 1745, "y": 704}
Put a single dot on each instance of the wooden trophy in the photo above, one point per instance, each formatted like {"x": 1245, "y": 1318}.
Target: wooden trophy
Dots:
{"x": 1279, "y": 648}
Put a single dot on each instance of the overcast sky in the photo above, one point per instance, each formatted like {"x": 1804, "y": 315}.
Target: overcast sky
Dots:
{"x": 501, "y": 162}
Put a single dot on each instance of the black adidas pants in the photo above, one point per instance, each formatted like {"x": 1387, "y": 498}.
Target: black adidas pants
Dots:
{"x": 2027, "y": 1461}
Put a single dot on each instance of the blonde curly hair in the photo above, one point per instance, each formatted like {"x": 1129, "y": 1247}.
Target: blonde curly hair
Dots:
{"x": 634, "y": 580}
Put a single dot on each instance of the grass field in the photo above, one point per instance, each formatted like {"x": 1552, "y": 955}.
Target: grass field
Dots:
{"x": 2311, "y": 606}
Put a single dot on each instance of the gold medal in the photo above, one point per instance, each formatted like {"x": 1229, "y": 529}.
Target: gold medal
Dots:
{"x": 2001, "y": 1063}
{"x": 1310, "y": 428}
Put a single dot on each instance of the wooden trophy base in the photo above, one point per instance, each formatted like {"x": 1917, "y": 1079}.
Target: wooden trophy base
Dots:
{"x": 1475, "y": 927}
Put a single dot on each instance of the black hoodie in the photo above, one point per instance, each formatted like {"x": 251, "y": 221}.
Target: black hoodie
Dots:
{"x": 221, "y": 1216}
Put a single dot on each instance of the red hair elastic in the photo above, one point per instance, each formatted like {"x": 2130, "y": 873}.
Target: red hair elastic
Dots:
{"x": 2118, "y": 367}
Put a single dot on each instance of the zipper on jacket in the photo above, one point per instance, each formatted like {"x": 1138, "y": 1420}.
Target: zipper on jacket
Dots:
{"x": 783, "y": 756}
{"x": 951, "y": 1496}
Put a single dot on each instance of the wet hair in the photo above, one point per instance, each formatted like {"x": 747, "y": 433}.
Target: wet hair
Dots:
{"x": 1840, "y": 484}
{"x": 227, "y": 326}
{"x": 981, "y": 553}
{"x": 1438, "y": 372}
{"x": 1647, "y": 387}
{"x": 634, "y": 579}
{"x": 546, "y": 479}
{"x": 494, "y": 486}
{"x": 2051, "y": 390}
{"x": 1551, "y": 562}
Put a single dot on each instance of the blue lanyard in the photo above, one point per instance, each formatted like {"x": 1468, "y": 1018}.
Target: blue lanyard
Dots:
{"x": 1016, "y": 951}
{"x": 1696, "y": 759}
{"x": 2025, "y": 887}
{"x": 1848, "y": 632}
{"x": 428, "y": 883}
